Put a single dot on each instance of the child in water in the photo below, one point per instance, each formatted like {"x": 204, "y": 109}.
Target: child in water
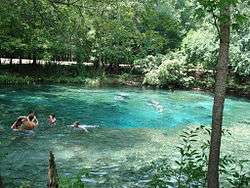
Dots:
{"x": 52, "y": 119}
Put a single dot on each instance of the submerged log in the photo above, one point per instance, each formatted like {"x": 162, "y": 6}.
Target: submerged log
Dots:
{"x": 52, "y": 172}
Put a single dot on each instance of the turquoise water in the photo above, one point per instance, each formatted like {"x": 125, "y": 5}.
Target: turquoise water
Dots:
{"x": 136, "y": 127}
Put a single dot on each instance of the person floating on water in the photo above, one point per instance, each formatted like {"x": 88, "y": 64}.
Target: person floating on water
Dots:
{"x": 52, "y": 119}
{"x": 25, "y": 122}
{"x": 157, "y": 105}
{"x": 77, "y": 125}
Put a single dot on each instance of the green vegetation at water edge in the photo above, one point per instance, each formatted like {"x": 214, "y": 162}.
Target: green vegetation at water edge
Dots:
{"x": 109, "y": 33}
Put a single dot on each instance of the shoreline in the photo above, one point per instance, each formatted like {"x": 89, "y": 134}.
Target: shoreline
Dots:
{"x": 15, "y": 80}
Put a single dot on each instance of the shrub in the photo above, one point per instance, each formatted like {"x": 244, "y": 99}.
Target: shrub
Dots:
{"x": 172, "y": 72}
{"x": 166, "y": 71}
{"x": 152, "y": 78}
{"x": 150, "y": 62}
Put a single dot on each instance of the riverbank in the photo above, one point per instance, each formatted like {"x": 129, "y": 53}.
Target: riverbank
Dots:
{"x": 87, "y": 76}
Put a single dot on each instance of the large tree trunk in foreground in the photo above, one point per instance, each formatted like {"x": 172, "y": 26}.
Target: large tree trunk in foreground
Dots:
{"x": 52, "y": 172}
{"x": 220, "y": 90}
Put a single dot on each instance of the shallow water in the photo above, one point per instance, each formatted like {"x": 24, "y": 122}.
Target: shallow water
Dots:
{"x": 136, "y": 127}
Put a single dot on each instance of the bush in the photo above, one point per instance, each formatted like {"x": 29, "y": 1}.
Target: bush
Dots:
{"x": 152, "y": 78}
{"x": 150, "y": 62}
{"x": 172, "y": 72}
{"x": 166, "y": 71}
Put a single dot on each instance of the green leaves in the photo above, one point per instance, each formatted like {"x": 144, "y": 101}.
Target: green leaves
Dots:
{"x": 190, "y": 167}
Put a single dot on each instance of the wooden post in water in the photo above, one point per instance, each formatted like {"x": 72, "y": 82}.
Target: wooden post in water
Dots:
{"x": 52, "y": 172}
{"x": 1, "y": 183}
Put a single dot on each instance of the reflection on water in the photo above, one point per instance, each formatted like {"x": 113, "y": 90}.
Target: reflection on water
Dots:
{"x": 133, "y": 131}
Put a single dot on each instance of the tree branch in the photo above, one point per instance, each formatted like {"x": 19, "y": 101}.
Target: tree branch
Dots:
{"x": 215, "y": 18}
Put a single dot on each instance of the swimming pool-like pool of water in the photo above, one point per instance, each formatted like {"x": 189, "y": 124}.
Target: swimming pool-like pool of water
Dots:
{"x": 135, "y": 126}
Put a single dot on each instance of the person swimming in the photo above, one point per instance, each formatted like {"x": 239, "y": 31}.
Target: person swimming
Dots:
{"x": 77, "y": 125}
{"x": 18, "y": 123}
{"x": 156, "y": 105}
{"x": 52, "y": 119}
{"x": 34, "y": 120}
{"x": 25, "y": 122}
{"x": 30, "y": 122}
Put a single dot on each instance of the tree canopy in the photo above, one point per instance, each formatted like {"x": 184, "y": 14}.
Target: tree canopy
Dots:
{"x": 115, "y": 32}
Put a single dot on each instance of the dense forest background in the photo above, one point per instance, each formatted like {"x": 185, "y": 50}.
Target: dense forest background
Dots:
{"x": 172, "y": 44}
{"x": 164, "y": 37}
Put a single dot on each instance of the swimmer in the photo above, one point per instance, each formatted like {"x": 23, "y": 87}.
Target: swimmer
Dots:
{"x": 157, "y": 105}
{"x": 124, "y": 95}
{"x": 77, "y": 125}
{"x": 25, "y": 123}
{"x": 119, "y": 98}
{"x": 29, "y": 122}
{"x": 18, "y": 123}
{"x": 52, "y": 119}
{"x": 34, "y": 117}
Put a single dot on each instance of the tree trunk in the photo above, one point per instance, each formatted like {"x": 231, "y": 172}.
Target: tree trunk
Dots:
{"x": 52, "y": 172}
{"x": 34, "y": 60}
{"x": 20, "y": 60}
{"x": 220, "y": 90}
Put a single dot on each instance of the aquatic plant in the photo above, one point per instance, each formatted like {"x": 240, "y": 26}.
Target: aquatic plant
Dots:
{"x": 74, "y": 182}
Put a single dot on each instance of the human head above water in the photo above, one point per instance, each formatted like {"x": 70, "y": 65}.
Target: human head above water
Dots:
{"x": 53, "y": 115}
{"x": 76, "y": 123}
{"x": 32, "y": 112}
{"x": 31, "y": 116}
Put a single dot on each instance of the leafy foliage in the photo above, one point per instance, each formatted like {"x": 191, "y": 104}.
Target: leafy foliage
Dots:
{"x": 76, "y": 182}
{"x": 190, "y": 168}
{"x": 201, "y": 47}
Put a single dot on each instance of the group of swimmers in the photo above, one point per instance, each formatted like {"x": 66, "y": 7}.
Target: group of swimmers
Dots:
{"x": 30, "y": 122}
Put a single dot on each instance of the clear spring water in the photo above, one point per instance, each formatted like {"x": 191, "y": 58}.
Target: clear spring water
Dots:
{"x": 136, "y": 127}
